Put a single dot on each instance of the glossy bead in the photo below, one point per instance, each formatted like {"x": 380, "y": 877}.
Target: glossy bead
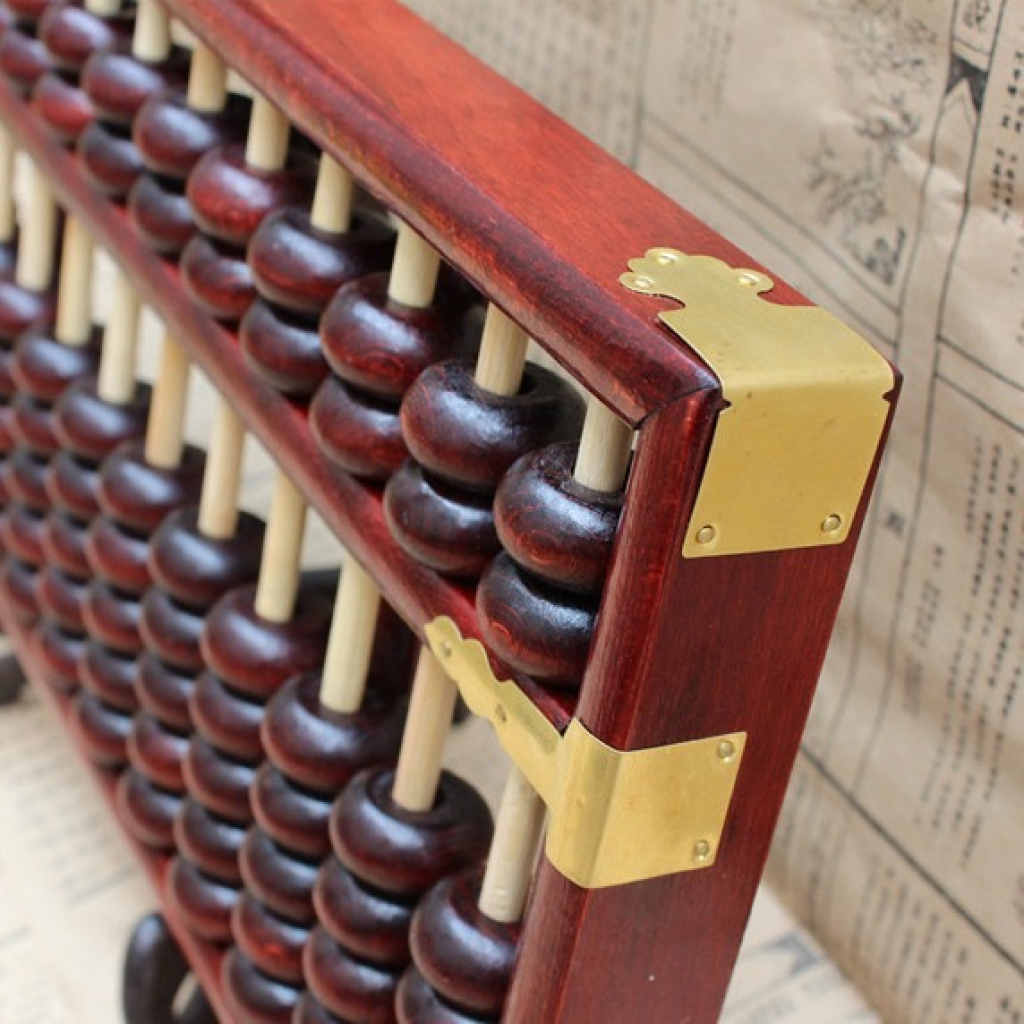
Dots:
{"x": 417, "y": 1003}
{"x": 71, "y": 33}
{"x": 117, "y": 555}
{"x": 281, "y": 880}
{"x": 61, "y": 105}
{"x": 45, "y": 367}
{"x": 62, "y": 598}
{"x": 23, "y": 59}
{"x": 226, "y": 718}
{"x": 465, "y": 956}
{"x": 252, "y": 995}
{"x": 102, "y": 732}
{"x": 109, "y": 159}
{"x": 18, "y": 590}
{"x": 170, "y": 631}
{"x": 309, "y": 1011}
{"x": 209, "y": 842}
{"x": 205, "y": 904}
{"x": 72, "y": 485}
{"x": 31, "y": 426}
{"x": 273, "y": 943}
{"x": 157, "y": 752}
{"x": 21, "y": 534}
{"x": 109, "y": 676}
{"x": 58, "y": 652}
{"x": 164, "y": 691}
{"x": 92, "y": 427}
{"x": 290, "y": 815}
{"x": 217, "y": 278}
{"x": 113, "y": 618}
{"x": 218, "y": 782}
{"x": 26, "y": 480}
{"x": 22, "y": 309}
{"x": 147, "y": 811}
{"x": 535, "y": 628}
{"x": 282, "y": 349}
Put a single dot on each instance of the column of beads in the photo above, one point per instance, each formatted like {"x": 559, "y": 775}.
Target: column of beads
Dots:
{"x": 23, "y": 57}
{"x": 172, "y": 131}
{"x": 299, "y": 259}
{"x": 231, "y": 191}
{"x": 117, "y": 83}
{"x": 71, "y": 34}
{"x": 26, "y": 303}
{"x": 378, "y": 334}
{"x": 46, "y": 364}
{"x": 197, "y": 555}
{"x": 254, "y": 639}
{"x": 557, "y": 510}
{"x": 319, "y": 730}
{"x": 391, "y": 829}
{"x": 138, "y": 482}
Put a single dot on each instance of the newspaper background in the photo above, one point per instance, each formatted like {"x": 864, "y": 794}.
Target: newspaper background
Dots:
{"x": 872, "y": 152}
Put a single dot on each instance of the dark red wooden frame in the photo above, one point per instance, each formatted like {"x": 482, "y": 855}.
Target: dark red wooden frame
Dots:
{"x": 543, "y": 222}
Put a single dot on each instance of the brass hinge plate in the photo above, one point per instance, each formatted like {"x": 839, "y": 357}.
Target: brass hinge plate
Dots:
{"x": 615, "y": 816}
{"x": 791, "y": 454}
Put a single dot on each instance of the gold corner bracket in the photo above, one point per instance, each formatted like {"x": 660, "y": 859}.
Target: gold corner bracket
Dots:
{"x": 791, "y": 454}
{"x": 615, "y": 816}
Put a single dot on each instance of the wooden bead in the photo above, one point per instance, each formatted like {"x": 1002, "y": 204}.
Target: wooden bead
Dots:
{"x": 18, "y": 589}
{"x": 71, "y": 34}
{"x": 23, "y": 59}
{"x": 273, "y": 943}
{"x": 62, "y": 597}
{"x": 61, "y": 105}
{"x": 119, "y": 83}
{"x": 31, "y": 427}
{"x": 218, "y": 782}
{"x": 283, "y": 881}
{"x": 91, "y": 427}
{"x": 404, "y": 853}
{"x": 118, "y": 555}
{"x": 356, "y": 431}
{"x": 540, "y": 631}
{"x": 110, "y": 160}
{"x": 147, "y": 811}
{"x": 295, "y": 819}
{"x": 256, "y": 655}
{"x": 204, "y": 903}
{"x": 21, "y": 534}
{"x": 417, "y": 1003}
{"x": 309, "y": 1011}
{"x": 350, "y": 988}
{"x": 101, "y": 731}
{"x": 369, "y": 924}
{"x": 171, "y": 631}
{"x": 110, "y": 676}
{"x": 27, "y": 12}
{"x": 73, "y": 485}
{"x": 112, "y": 618}
{"x": 463, "y": 955}
{"x": 282, "y": 349}
{"x": 253, "y": 996}
{"x": 157, "y": 753}
{"x": 57, "y": 652}
{"x": 22, "y": 309}
{"x": 229, "y": 720}
{"x": 161, "y": 214}
{"x": 26, "y": 481}
{"x": 164, "y": 691}
{"x": 217, "y": 278}
{"x": 44, "y": 367}
{"x": 209, "y": 842}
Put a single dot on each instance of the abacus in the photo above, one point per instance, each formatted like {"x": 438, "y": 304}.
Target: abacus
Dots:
{"x": 633, "y": 579}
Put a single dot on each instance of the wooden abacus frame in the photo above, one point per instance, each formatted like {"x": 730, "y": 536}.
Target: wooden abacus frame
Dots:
{"x": 544, "y": 223}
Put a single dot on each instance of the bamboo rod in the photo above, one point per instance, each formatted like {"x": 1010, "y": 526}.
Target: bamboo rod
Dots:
{"x": 207, "y": 81}
{"x": 37, "y": 242}
{"x": 8, "y": 213}
{"x": 151, "y": 41}
{"x": 605, "y": 446}
{"x": 502, "y": 357}
{"x": 74, "y": 302}
{"x": 266, "y": 147}
{"x": 278, "y": 585}
{"x": 218, "y": 503}
{"x": 332, "y": 201}
{"x": 414, "y": 270}
{"x": 120, "y": 339}
{"x": 165, "y": 428}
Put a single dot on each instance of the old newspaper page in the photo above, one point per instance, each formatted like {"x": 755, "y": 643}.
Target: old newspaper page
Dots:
{"x": 872, "y": 152}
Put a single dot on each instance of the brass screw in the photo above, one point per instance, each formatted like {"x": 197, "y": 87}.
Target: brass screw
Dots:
{"x": 446, "y": 649}
{"x": 666, "y": 258}
{"x": 705, "y": 535}
{"x": 831, "y": 523}
{"x": 726, "y": 750}
{"x": 701, "y": 850}
{"x": 501, "y": 714}
{"x": 642, "y": 282}
{"x": 749, "y": 280}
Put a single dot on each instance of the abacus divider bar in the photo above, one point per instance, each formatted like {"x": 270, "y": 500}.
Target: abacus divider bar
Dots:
{"x": 8, "y": 214}
{"x": 151, "y": 41}
{"x": 218, "y": 502}
{"x": 350, "y": 644}
{"x": 116, "y": 382}
{"x": 266, "y": 146}
{"x": 513, "y": 852}
{"x": 207, "y": 81}
{"x": 332, "y": 200}
{"x": 74, "y": 302}
{"x": 502, "y": 356}
{"x": 165, "y": 428}
{"x": 414, "y": 269}
{"x": 34, "y": 270}
{"x": 431, "y": 706}
{"x": 278, "y": 584}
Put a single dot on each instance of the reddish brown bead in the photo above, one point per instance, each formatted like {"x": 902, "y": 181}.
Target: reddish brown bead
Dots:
{"x": 23, "y": 59}
{"x": 110, "y": 677}
{"x": 157, "y": 753}
{"x": 279, "y": 879}
{"x": 282, "y": 349}
{"x": 217, "y": 278}
{"x": 465, "y": 956}
{"x": 147, "y": 811}
{"x": 253, "y": 996}
{"x": 91, "y": 427}
{"x": 273, "y": 943}
{"x": 21, "y": 534}
{"x": 119, "y": 83}
{"x": 61, "y": 105}
{"x": 226, "y": 718}
{"x": 209, "y": 842}
{"x": 113, "y": 617}
{"x": 291, "y": 816}
{"x": 71, "y": 33}
{"x": 58, "y": 652}
{"x": 161, "y": 214}
{"x": 218, "y": 782}
{"x": 109, "y": 159}
{"x": 417, "y": 1003}
{"x": 73, "y": 485}
{"x": 164, "y": 692}
{"x": 204, "y": 903}
{"x": 26, "y": 482}
{"x": 31, "y": 426}
{"x": 170, "y": 631}
{"x": 21, "y": 310}
{"x": 309, "y": 1011}
{"x": 61, "y": 598}
{"x": 117, "y": 555}
{"x": 44, "y": 367}
{"x": 18, "y": 590}
{"x": 101, "y": 731}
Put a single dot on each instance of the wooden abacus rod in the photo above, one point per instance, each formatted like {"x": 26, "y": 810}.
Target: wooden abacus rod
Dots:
{"x": 414, "y": 269}
{"x": 151, "y": 41}
{"x": 347, "y": 662}
{"x": 103, "y": 8}
{"x": 8, "y": 214}
{"x": 74, "y": 303}
{"x": 266, "y": 146}
{"x": 116, "y": 382}
{"x": 34, "y": 269}
{"x": 332, "y": 200}
{"x": 280, "y": 570}
{"x": 207, "y": 81}
{"x": 218, "y": 503}
{"x": 165, "y": 429}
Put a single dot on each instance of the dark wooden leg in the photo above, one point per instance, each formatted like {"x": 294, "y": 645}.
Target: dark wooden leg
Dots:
{"x": 154, "y": 970}
{"x": 12, "y": 679}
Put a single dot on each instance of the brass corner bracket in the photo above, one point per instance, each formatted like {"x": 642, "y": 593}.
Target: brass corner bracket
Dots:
{"x": 614, "y": 816}
{"x": 791, "y": 454}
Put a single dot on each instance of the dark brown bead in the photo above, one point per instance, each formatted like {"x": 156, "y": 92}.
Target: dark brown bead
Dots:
{"x": 320, "y": 748}
{"x": 157, "y": 752}
{"x": 146, "y": 810}
{"x": 58, "y": 652}
{"x": 217, "y": 278}
{"x": 535, "y": 628}
{"x": 62, "y": 598}
{"x": 417, "y": 1003}
{"x": 22, "y": 309}
{"x": 139, "y": 495}
{"x": 117, "y": 555}
{"x": 112, "y": 618}
{"x": 92, "y": 427}
{"x": 109, "y": 676}
{"x": 164, "y": 692}
{"x": 465, "y": 956}
{"x": 18, "y": 590}
{"x": 282, "y": 349}
{"x": 161, "y": 214}
{"x": 109, "y": 159}
{"x": 273, "y": 943}
{"x": 21, "y": 534}
{"x": 369, "y": 924}
{"x": 256, "y": 655}
{"x": 291, "y": 816}
{"x": 101, "y": 731}
{"x": 309, "y": 1011}
{"x": 45, "y": 367}
{"x": 23, "y": 60}
{"x": 359, "y": 433}
{"x": 196, "y": 569}
{"x": 210, "y": 842}
{"x": 71, "y": 33}
{"x": 403, "y": 852}
{"x": 444, "y": 527}
{"x": 204, "y": 903}
{"x": 349, "y": 988}
{"x": 28, "y": 12}
{"x": 170, "y": 631}
{"x": 253, "y": 996}
{"x": 229, "y": 720}
{"x": 281, "y": 880}
{"x": 73, "y": 485}
{"x": 31, "y": 426}
{"x": 218, "y": 782}
{"x": 26, "y": 480}
{"x": 61, "y": 105}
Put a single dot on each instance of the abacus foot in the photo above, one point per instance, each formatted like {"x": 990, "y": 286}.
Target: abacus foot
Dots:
{"x": 154, "y": 972}
{"x": 12, "y": 680}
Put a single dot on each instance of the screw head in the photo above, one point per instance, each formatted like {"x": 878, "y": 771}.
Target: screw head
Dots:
{"x": 831, "y": 523}
{"x": 726, "y": 750}
{"x": 706, "y": 534}
{"x": 701, "y": 850}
